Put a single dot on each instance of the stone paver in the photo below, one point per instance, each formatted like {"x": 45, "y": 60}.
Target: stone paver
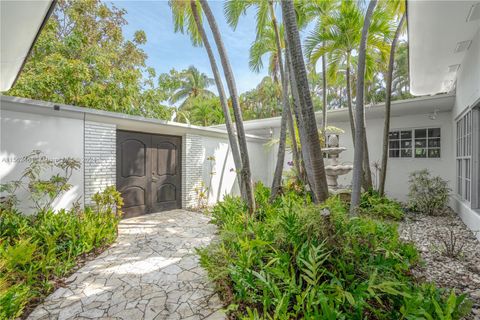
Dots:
{"x": 151, "y": 272}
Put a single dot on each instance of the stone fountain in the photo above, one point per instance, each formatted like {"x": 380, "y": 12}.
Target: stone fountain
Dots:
{"x": 334, "y": 169}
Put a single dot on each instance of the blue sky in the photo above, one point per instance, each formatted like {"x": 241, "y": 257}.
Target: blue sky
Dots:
{"x": 167, "y": 50}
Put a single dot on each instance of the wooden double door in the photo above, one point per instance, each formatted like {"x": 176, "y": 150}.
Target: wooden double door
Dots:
{"x": 148, "y": 172}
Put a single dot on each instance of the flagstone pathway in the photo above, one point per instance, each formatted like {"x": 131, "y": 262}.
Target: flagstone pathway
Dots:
{"x": 151, "y": 272}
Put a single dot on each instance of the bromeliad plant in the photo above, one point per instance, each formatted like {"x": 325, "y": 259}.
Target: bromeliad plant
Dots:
{"x": 297, "y": 260}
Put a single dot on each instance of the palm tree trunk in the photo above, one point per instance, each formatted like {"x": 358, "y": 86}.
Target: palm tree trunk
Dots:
{"x": 306, "y": 105}
{"x": 291, "y": 128}
{"x": 367, "y": 171}
{"x": 304, "y": 150}
{"x": 242, "y": 141}
{"x": 324, "y": 106}
{"x": 367, "y": 181}
{"x": 359, "y": 114}
{"x": 388, "y": 104}
{"x": 349, "y": 99}
{"x": 221, "y": 93}
{"x": 277, "y": 177}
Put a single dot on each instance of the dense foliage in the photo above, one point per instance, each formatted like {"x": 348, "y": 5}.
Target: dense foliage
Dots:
{"x": 297, "y": 260}
{"x": 373, "y": 204}
{"x": 37, "y": 250}
{"x": 82, "y": 58}
{"x": 427, "y": 194}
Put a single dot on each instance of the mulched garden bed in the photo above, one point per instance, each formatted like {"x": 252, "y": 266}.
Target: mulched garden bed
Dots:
{"x": 458, "y": 267}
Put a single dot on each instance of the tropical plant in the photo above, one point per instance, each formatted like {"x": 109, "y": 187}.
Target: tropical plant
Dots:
{"x": 374, "y": 204}
{"x": 318, "y": 10}
{"x": 400, "y": 7}
{"x": 317, "y": 176}
{"x": 427, "y": 194}
{"x": 265, "y": 17}
{"x": 232, "y": 88}
{"x": 262, "y": 101}
{"x": 360, "y": 138}
{"x": 41, "y": 192}
{"x": 82, "y": 58}
{"x": 37, "y": 249}
{"x": 297, "y": 260}
{"x": 183, "y": 10}
{"x": 192, "y": 84}
{"x": 339, "y": 36}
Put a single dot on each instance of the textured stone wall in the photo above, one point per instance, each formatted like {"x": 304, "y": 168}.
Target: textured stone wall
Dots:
{"x": 100, "y": 157}
{"x": 192, "y": 167}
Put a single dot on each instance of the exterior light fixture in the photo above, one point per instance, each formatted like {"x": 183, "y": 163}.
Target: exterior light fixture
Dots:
{"x": 463, "y": 46}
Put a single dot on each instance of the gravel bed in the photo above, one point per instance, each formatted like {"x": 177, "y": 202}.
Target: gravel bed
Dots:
{"x": 431, "y": 234}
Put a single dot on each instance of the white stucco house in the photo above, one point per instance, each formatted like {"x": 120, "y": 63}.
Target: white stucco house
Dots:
{"x": 162, "y": 165}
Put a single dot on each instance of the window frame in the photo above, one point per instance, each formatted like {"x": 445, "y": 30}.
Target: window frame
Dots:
{"x": 413, "y": 139}
{"x": 467, "y": 157}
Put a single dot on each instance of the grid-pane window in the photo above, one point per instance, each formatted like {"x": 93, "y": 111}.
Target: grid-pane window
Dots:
{"x": 464, "y": 156}
{"x": 418, "y": 143}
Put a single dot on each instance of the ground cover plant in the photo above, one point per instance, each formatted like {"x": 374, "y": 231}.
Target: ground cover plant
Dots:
{"x": 38, "y": 250}
{"x": 297, "y": 260}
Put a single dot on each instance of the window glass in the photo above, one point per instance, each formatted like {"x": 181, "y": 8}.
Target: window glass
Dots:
{"x": 420, "y": 153}
{"x": 393, "y": 135}
{"x": 434, "y": 143}
{"x": 406, "y": 134}
{"x": 434, "y": 153}
{"x": 434, "y": 133}
{"x": 420, "y": 133}
{"x": 418, "y": 143}
{"x": 406, "y": 153}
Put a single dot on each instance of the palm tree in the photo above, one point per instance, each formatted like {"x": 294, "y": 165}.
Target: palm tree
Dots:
{"x": 193, "y": 84}
{"x": 305, "y": 101}
{"x": 388, "y": 99}
{"x": 183, "y": 10}
{"x": 358, "y": 158}
{"x": 229, "y": 77}
{"x": 319, "y": 9}
{"x": 207, "y": 112}
{"x": 267, "y": 21}
{"x": 340, "y": 37}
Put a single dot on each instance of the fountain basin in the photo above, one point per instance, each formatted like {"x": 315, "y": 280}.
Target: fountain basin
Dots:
{"x": 333, "y": 151}
{"x": 338, "y": 169}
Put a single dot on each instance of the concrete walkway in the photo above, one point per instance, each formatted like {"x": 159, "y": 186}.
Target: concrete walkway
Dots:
{"x": 151, "y": 272}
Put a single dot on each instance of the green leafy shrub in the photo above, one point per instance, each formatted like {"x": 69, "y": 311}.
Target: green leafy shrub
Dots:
{"x": 41, "y": 192}
{"x": 372, "y": 203}
{"x": 37, "y": 249}
{"x": 296, "y": 260}
{"x": 427, "y": 194}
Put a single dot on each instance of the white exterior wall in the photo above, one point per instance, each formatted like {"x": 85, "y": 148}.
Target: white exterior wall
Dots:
{"x": 215, "y": 174}
{"x": 56, "y": 137}
{"x": 398, "y": 169}
{"x": 467, "y": 97}
{"x": 100, "y": 157}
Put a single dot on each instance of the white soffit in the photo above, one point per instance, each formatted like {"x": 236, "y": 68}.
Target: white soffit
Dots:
{"x": 436, "y": 29}
{"x": 20, "y": 22}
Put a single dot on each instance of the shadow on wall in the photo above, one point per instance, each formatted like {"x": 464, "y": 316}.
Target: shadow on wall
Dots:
{"x": 219, "y": 173}
{"x": 55, "y": 137}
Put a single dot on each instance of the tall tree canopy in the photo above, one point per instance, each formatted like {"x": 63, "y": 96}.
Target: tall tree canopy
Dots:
{"x": 82, "y": 58}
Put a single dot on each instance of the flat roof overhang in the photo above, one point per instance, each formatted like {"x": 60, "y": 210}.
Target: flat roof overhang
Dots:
{"x": 21, "y": 23}
{"x": 120, "y": 120}
{"x": 421, "y": 106}
{"x": 435, "y": 30}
